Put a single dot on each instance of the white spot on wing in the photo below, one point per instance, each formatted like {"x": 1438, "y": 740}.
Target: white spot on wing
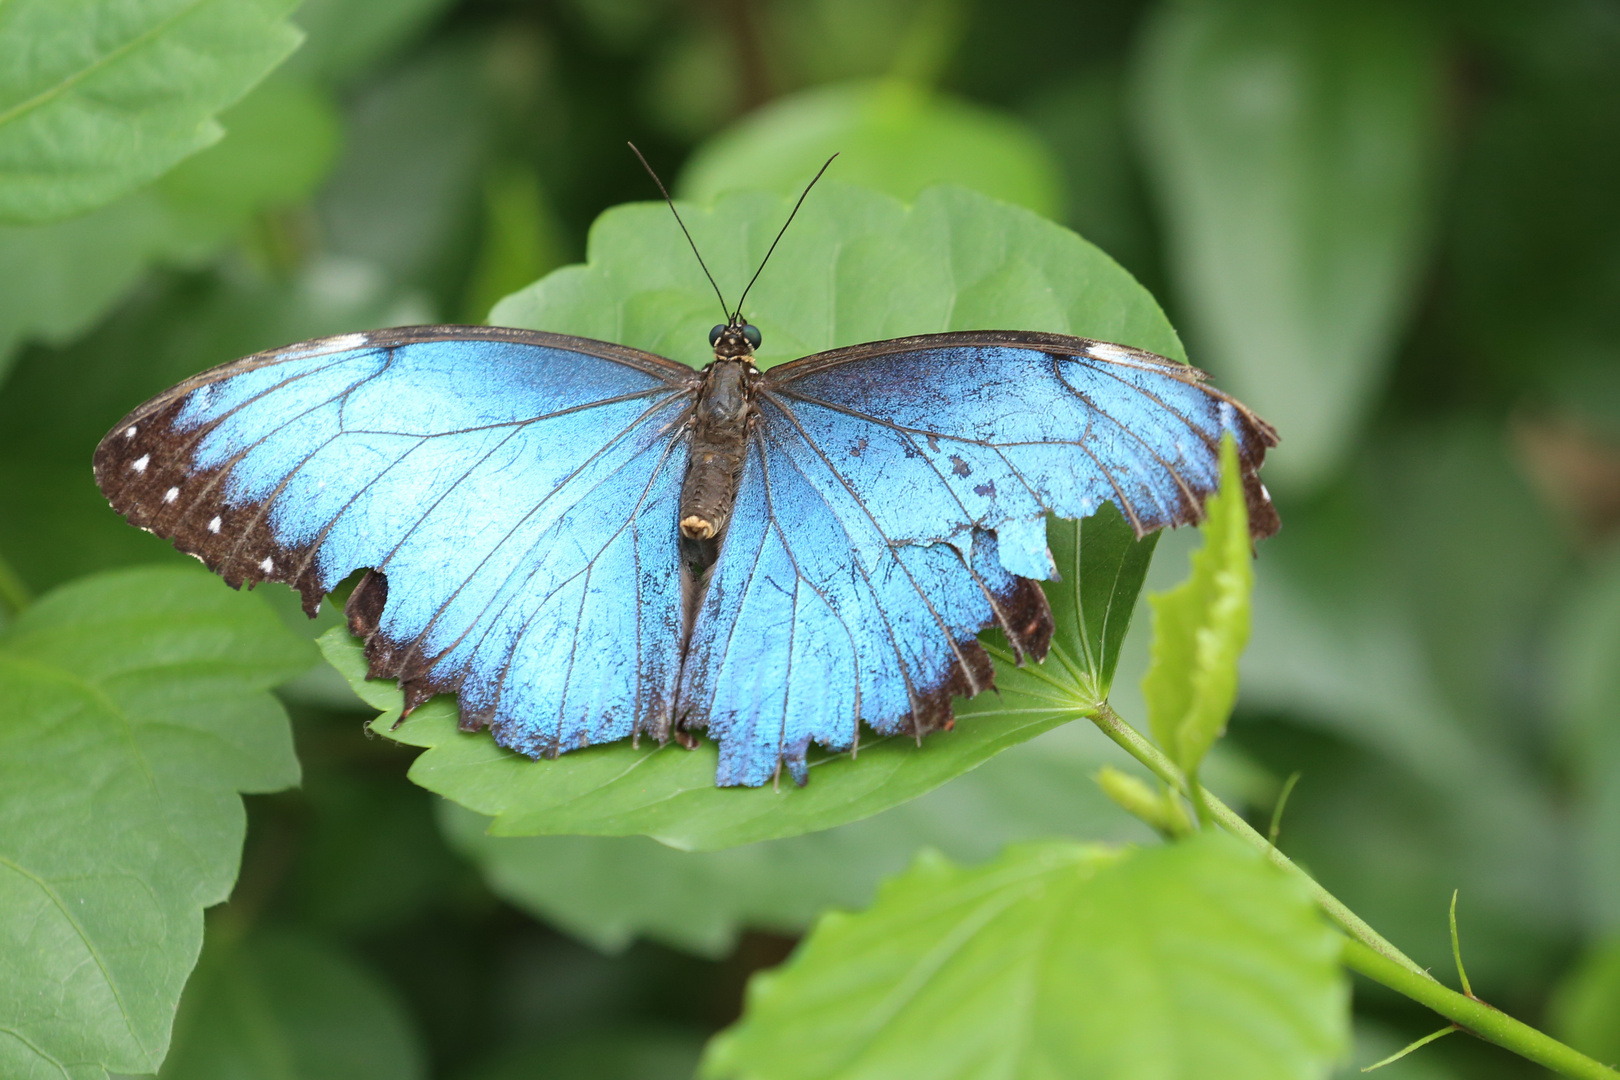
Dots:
{"x": 139, "y": 464}
{"x": 348, "y": 341}
{"x": 129, "y": 433}
{"x": 213, "y": 525}
{"x": 171, "y": 495}
{"x": 267, "y": 566}
{"x": 1264, "y": 493}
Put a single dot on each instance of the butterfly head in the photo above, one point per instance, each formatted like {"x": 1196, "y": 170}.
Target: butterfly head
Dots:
{"x": 734, "y": 340}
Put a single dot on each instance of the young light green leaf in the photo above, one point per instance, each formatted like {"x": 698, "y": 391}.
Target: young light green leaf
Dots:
{"x": 281, "y": 1005}
{"x": 1057, "y": 960}
{"x": 610, "y": 891}
{"x": 114, "y": 93}
{"x": 1295, "y": 151}
{"x": 892, "y": 136}
{"x": 1200, "y": 628}
{"x": 135, "y": 710}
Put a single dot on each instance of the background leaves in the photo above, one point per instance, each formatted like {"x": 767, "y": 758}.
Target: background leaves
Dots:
{"x": 135, "y": 711}
{"x": 283, "y": 1005}
{"x": 103, "y": 97}
{"x": 1295, "y": 149}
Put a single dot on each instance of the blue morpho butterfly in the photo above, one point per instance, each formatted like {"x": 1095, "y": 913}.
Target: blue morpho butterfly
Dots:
{"x": 587, "y": 542}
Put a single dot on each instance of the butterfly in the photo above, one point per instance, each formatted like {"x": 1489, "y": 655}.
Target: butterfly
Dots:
{"x": 587, "y": 542}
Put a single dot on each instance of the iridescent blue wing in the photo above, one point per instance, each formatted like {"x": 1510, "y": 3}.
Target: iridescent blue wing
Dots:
{"x": 514, "y": 494}
{"x": 893, "y": 505}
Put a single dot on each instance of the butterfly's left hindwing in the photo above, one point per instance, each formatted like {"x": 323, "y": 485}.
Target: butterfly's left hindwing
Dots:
{"x": 515, "y": 494}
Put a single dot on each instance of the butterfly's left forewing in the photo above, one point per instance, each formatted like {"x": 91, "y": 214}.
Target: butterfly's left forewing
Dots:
{"x": 514, "y": 494}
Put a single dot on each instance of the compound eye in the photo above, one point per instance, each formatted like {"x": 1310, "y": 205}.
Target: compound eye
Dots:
{"x": 714, "y": 335}
{"x": 751, "y": 335}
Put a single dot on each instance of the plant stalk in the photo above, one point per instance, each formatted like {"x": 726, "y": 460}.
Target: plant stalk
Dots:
{"x": 1137, "y": 745}
{"x": 1474, "y": 1016}
{"x": 1366, "y": 951}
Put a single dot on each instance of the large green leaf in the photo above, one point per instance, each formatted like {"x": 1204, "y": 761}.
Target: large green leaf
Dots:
{"x": 892, "y": 136}
{"x": 1200, "y": 628}
{"x": 278, "y": 1005}
{"x": 611, "y": 890}
{"x": 1295, "y": 148}
{"x": 57, "y": 279}
{"x": 856, "y": 266}
{"x": 113, "y": 93}
{"x": 135, "y": 710}
{"x": 1195, "y": 960}
{"x": 955, "y": 260}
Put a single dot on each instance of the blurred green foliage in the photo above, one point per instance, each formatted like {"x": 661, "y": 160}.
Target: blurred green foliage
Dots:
{"x": 1392, "y": 229}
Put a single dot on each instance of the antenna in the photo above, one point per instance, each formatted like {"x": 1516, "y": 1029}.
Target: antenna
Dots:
{"x": 778, "y": 239}
{"x": 723, "y": 307}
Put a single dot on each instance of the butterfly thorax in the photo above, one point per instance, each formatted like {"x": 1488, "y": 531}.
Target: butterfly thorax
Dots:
{"x": 719, "y": 442}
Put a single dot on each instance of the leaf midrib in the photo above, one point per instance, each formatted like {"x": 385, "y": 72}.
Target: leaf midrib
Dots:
{"x": 54, "y": 91}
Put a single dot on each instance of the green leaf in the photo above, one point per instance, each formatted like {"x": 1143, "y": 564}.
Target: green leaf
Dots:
{"x": 135, "y": 710}
{"x": 58, "y": 279}
{"x": 114, "y": 93}
{"x": 281, "y": 1005}
{"x": 892, "y": 136}
{"x": 856, "y": 266}
{"x": 1295, "y": 148}
{"x": 1200, "y": 628}
{"x": 1194, "y": 960}
{"x": 668, "y": 792}
{"x": 611, "y": 890}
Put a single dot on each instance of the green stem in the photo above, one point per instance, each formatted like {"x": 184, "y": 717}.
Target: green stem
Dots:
{"x": 1475, "y": 1016}
{"x": 14, "y": 595}
{"x": 1366, "y": 950}
{"x": 1137, "y": 745}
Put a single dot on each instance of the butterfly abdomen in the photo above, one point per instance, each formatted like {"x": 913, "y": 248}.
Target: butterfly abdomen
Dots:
{"x": 719, "y": 442}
